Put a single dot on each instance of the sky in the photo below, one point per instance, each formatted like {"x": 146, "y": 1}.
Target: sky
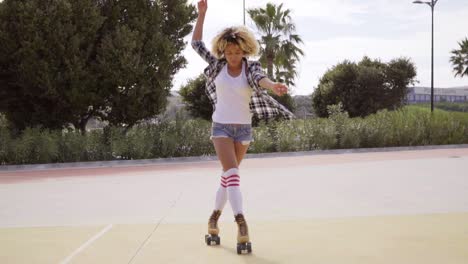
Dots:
{"x": 338, "y": 30}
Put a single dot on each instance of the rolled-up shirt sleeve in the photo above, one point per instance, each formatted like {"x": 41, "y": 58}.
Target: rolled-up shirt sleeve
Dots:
{"x": 257, "y": 73}
{"x": 200, "y": 48}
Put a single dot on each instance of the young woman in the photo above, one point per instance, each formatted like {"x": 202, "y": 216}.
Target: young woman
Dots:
{"x": 237, "y": 90}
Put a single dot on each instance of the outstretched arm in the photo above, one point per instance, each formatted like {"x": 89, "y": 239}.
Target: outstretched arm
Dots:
{"x": 277, "y": 88}
{"x": 198, "y": 32}
{"x": 261, "y": 79}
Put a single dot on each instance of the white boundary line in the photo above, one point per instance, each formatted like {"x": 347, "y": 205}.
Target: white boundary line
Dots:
{"x": 86, "y": 244}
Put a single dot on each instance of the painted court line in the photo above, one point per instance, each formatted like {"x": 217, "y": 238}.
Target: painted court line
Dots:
{"x": 86, "y": 244}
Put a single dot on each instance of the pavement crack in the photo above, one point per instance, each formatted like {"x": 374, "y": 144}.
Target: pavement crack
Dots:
{"x": 145, "y": 242}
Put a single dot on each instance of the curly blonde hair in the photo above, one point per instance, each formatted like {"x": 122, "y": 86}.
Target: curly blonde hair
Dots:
{"x": 240, "y": 36}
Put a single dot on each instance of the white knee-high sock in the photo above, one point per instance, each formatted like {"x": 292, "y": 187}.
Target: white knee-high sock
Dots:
{"x": 221, "y": 195}
{"x": 232, "y": 179}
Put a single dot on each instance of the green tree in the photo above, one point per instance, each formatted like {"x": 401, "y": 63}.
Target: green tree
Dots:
{"x": 365, "y": 87}
{"x": 195, "y": 98}
{"x": 279, "y": 51}
{"x": 459, "y": 59}
{"x": 279, "y": 46}
{"x": 46, "y": 48}
{"x": 66, "y": 61}
{"x": 140, "y": 53}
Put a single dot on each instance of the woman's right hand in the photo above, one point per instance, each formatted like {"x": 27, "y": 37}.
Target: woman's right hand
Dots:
{"x": 202, "y": 6}
{"x": 198, "y": 30}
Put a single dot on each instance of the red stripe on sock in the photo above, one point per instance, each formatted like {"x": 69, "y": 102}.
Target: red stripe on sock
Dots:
{"x": 230, "y": 181}
{"x": 233, "y": 179}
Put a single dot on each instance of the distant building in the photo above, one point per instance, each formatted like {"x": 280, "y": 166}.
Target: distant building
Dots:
{"x": 423, "y": 95}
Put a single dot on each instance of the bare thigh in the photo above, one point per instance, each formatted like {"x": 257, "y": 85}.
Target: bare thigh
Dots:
{"x": 240, "y": 151}
{"x": 226, "y": 152}
{"x": 229, "y": 153}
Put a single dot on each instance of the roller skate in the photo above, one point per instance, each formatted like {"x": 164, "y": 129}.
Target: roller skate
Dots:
{"x": 212, "y": 239}
{"x": 243, "y": 244}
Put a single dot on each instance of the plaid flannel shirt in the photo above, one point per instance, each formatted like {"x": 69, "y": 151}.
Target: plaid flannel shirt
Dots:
{"x": 261, "y": 104}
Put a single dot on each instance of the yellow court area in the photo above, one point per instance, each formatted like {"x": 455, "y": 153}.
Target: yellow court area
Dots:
{"x": 376, "y": 207}
{"x": 440, "y": 238}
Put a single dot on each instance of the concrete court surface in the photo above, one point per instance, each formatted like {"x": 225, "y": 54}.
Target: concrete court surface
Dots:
{"x": 404, "y": 206}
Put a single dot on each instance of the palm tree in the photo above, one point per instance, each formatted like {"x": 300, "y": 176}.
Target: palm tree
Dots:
{"x": 279, "y": 50}
{"x": 459, "y": 59}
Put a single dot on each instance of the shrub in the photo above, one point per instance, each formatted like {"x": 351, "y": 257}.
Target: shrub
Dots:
{"x": 409, "y": 126}
{"x": 35, "y": 145}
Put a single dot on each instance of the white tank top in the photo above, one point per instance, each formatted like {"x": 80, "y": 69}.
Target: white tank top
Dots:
{"x": 233, "y": 98}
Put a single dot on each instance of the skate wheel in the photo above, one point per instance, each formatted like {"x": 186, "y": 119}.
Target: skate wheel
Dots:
{"x": 212, "y": 240}
{"x": 239, "y": 249}
{"x": 244, "y": 248}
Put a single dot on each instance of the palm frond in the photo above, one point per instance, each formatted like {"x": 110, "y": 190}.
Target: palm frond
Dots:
{"x": 459, "y": 59}
{"x": 279, "y": 42}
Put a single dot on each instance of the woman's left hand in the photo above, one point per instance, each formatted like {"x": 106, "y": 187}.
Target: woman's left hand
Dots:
{"x": 279, "y": 89}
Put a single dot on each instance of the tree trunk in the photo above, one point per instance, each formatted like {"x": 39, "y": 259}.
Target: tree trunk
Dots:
{"x": 270, "y": 58}
{"x": 82, "y": 126}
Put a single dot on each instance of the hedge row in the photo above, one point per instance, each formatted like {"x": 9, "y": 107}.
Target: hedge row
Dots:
{"x": 410, "y": 126}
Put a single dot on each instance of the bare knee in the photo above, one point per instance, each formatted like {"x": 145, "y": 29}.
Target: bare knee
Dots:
{"x": 230, "y": 163}
{"x": 226, "y": 168}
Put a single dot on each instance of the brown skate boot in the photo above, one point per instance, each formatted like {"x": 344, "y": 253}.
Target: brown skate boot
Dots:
{"x": 212, "y": 238}
{"x": 243, "y": 244}
{"x": 213, "y": 223}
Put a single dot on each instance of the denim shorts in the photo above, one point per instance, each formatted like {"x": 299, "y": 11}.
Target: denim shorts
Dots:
{"x": 238, "y": 132}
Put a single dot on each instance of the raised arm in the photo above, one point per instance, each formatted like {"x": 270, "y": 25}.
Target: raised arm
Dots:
{"x": 197, "y": 42}
{"x": 198, "y": 32}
